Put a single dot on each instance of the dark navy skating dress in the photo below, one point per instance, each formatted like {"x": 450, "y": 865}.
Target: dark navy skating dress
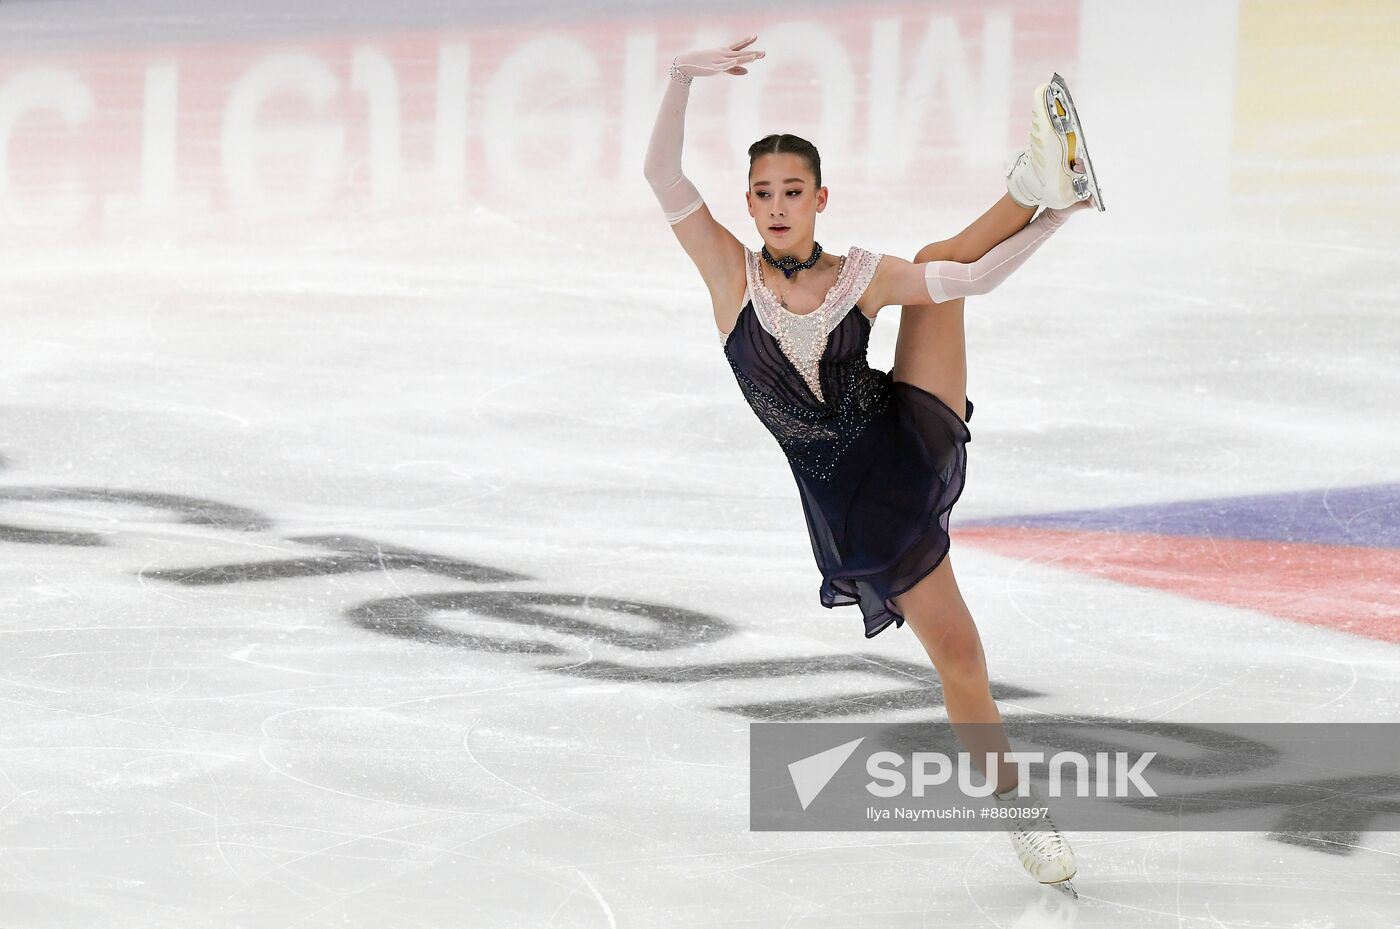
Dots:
{"x": 879, "y": 463}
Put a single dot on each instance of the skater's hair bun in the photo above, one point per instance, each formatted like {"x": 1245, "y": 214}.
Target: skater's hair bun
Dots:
{"x": 784, "y": 142}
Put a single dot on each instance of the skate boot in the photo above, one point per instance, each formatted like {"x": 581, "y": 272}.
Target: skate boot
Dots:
{"x": 1044, "y": 852}
{"x": 1044, "y": 173}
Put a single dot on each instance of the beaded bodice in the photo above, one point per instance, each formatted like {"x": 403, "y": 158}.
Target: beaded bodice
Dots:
{"x": 802, "y": 336}
{"x": 806, "y": 375}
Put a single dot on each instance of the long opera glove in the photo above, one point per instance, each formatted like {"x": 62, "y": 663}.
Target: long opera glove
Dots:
{"x": 951, "y": 280}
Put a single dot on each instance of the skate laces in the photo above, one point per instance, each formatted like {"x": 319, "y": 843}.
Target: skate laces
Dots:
{"x": 1044, "y": 842}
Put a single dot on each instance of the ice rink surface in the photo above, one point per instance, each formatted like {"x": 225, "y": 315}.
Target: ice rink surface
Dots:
{"x": 387, "y": 543}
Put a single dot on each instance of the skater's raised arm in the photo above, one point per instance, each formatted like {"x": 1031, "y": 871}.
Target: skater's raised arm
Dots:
{"x": 674, "y": 191}
{"x": 898, "y": 281}
{"x": 715, "y": 251}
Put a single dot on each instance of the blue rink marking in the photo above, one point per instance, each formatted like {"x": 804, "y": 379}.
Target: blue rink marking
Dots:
{"x": 1366, "y": 516}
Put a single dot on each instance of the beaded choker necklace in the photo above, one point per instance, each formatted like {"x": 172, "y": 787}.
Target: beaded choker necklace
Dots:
{"x": 789, "y": 265}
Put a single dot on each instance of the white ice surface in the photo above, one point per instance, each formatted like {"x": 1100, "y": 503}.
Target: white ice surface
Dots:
{"x": 527, "y": 377}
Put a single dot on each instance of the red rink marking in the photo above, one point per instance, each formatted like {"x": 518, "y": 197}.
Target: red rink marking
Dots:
{"x": 1347, "y": 588}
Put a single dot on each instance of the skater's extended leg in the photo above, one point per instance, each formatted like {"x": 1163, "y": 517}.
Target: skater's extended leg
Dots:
{"x": 1005, "y": 218}
{"x": 1055, "y": 169}
{"x": 1052, "y": 171}
{"x": 931, "y": 351}
{"x": 1048, "y": 172}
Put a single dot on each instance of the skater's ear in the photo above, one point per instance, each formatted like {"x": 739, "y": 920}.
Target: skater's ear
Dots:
{"x": 821, "y": 199}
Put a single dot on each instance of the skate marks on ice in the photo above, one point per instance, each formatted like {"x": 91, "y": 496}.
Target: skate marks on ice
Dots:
{"x": 640, "y": 628}
{"x": 586, "y": 621}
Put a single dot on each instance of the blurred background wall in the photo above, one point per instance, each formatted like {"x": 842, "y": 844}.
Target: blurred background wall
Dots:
{"x": 164, "y": 119}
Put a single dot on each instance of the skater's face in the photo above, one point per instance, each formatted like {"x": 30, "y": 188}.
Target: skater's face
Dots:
{"x": 784, "y": 201}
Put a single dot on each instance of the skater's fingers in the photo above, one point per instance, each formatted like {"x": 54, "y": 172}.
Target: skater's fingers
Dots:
{"x": 738, "y": 70}
{"x": 747, "y": 40}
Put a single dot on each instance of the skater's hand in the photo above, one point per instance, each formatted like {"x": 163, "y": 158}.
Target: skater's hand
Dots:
{"x": 727, "y": 59}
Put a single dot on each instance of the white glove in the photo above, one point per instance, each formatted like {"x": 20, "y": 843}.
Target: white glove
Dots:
{"x": 674, "y": 191}
{"x": 727, "y": 58}
{"x": 951, "y": 280}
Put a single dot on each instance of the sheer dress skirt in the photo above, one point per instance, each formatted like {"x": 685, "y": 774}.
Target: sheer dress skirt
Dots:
{"x": 881, "y": 525}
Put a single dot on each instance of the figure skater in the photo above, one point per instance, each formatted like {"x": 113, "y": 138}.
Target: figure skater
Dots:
{"x": 879, "y": 457}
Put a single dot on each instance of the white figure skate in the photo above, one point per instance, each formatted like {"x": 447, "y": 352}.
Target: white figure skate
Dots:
{"x": 1044, "y": 852}
{"x": 1044, "y": 173}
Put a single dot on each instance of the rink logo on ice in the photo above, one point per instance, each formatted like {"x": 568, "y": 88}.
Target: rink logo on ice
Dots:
{"x": 1318, "y": 786}
{"x": 1310, "y": 556}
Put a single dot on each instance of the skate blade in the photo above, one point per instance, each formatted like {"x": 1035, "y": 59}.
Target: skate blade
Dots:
{"x": 1065, "y": 886}
{"x": 1087, "y": 184}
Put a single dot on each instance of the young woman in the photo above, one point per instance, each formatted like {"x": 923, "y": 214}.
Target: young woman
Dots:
{"x": 879, "y": 457}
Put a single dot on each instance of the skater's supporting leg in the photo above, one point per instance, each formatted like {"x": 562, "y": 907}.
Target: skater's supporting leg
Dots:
{"x": 934, "y": 608}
